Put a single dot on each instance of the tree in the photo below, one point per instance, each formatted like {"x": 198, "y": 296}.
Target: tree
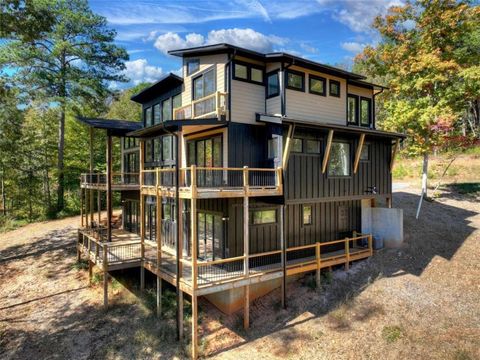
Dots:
{"x": 121, "y": 107}
{"x": 428, "y": 57}
{"x": 68, "y": 65}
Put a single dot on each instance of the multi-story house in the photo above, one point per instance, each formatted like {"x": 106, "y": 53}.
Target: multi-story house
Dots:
{"x": 247, "y": 169}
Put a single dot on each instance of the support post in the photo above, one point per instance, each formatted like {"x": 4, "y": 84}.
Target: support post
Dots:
{"x": 109, "y": 188}
{"x": 180, "y": 314}
{"x": 159, "y": 249}
{"x": 90, "y": 272}
{"x": 91, "y": 174}
{"x": 194, "y": 326}
{"x": 283, "y": 247}
{"x": 86, "y": 208}
{"x": 81, "y": 207}
{"x": 358, "y": 153}
{"x": 326, "y": 157}
{"x": 370, "y": 244}
{"x": 99, "y": 206}
{"x": 105, "y": 278}
{"x": 347, "y": 253}
{"x": 246, "y": 309}
{"x": 246, "y": 240}
{"x": 318, "y": 273}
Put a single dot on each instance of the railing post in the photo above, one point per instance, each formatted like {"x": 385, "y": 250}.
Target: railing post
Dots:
{"x": 193, "y": 181}
{"x": 347, "y": 252}
{"x": 246, "y": 239}
{"x": 157, "y": 178}
{"x": 81, "y": 207}
{"x": 105, "y": 277}
{"x": 318, "y": 274}
{"x": 370, "y": 244}
{"x": 245, "y": 180}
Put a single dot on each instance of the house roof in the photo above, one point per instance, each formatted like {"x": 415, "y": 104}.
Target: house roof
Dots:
{"x": 267, "y": 57}
{"x": 173, "y": 125}
{"x": 341, "y": 128}
{"x": 113, "y": 126}
{"x": 168, "y": 81}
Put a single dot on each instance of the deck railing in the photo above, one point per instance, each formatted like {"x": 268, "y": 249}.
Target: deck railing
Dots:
{"x": 213, "y": 105}
{"x": 100, "y": 179}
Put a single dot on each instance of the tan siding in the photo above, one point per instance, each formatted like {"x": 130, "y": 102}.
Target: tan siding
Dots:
{"x": 206, "y": 62}
{"x": 368, "y": 93}
{"x": 247, "y": 99}
{"x": 273, "y": 104}
{"x": 322, "y": 109}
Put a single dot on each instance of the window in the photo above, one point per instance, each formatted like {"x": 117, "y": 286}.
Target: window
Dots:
{"x": 210, "y": 236}
{"x": 339, "y": 164}
{"x": 295, "y": 80}
{"x": 204, "y": 85}
{"x": 273, "y": 145}
{"x": 297, "y": 145}
{"x": 148, "y": 116}
{"x": 365, "y": 154}
{"x": 317, "y": 85}
{"x": 167, "y": 110}
{"x": 177, "y": 101}
{"x": 260, "y": 217}
{"x": 241, "y": 71}
{"x": 167, "y": 148}
{"x": 273, "y": 85}
{"x": 334, "y": 88}
{"x": 157, "y": 149}
{"x": 148, "y": 151}
{"x": 307, "y": 214}
{"x": 365, "y": 111}
{"x": 352, "y": 109}
{"x": 193, "y": 65}
{"x": 312, "y": 146}
{"x": 157, "y": 115}
{"x": 257, "y": 75}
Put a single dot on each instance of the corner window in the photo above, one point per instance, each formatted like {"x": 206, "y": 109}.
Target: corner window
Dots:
{"x": 257, "y": 75}
{"x": 312, "y": 146}
{"x": 273, "y": 85}
{"x": 167, "y": 110}
{"x": 177, "y": 101}
{"x": 148, "y": 116}
{"x": 352, "y": 109}
{"x": 248, "y": 72}
{"x": 157, "y": 115}
{"x": 365, "y": 111}
{"x": 204, "y": 85}
{"x": 295, "y": 80}
{"x": 157, "y": 149}
{"x": 166, "y": 148}
{"x": 260, "y": 217}
{"x": 339, "y": 163}
{"x": 334, "y": 88}
{"x": 297, "y": 145}
{"x": 241, "y": 71}
{"x": 273, "y": 148}
{"x": 317, "y": 85}
{"x": 307, "y": 214}
{"x": 365, "y": 154}
{"x": 193, "y": 65}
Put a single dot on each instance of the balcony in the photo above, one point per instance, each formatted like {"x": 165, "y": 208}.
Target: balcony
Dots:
{"x": 210, "y": 182}
{"x": 120, "y": 181}
{"x": 211, "y": 106}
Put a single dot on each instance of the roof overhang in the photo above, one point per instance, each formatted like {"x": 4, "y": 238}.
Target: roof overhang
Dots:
{"x": 113, "y": 127}
{"x": 174, "y": 125}
{"x": 169, "y": 81}
{"x": 265, "y": 118}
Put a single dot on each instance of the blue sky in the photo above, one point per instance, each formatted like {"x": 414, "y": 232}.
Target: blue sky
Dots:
{"x": 328, "y": 31}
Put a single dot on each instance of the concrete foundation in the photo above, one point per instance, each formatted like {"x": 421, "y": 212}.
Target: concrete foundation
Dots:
{"x": 384, "y": 223}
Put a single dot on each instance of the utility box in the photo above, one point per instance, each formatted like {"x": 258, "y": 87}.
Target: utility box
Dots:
{"x": 385, "y": 224}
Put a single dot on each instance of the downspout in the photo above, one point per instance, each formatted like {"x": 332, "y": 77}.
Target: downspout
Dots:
{"x": 228, "y": 70}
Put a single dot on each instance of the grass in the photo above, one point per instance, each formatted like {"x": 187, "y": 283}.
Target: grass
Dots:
{"x": 466, "y": 188}
{"x": 392, "y": 333}
{"x": 80, "y": 265}
{"x": 7, "y": 223}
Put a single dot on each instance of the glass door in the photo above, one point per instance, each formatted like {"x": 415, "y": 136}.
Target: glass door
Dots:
{"x": 211, "y": 236}
{"x": 206, "y": 153}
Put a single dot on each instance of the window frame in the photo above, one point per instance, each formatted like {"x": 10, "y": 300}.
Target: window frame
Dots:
{"x": 249, "y": 67}
{"x": 298, "y": 73}
{"x": 202, "y": 75}
{"x": 303, "y": 215}
{"x": 357, "y": 100}
{"x": 370, "y": 113}
{"x": 330, "y": 83}
{"x": 301, "y": 142}
{"x": 305, "y": 143}
{"x": 190, "y": 61}
{"x": 145, "y": 111}
{"x": 170, "y": 100}
{"x": 267, "y": 75}
{"x": 156, "y": 107}
{"x": 368, "y": 147}
{"x": 331, "y": 176}
{"x": 252, "y": 216}
{"x": 319, "y": 78}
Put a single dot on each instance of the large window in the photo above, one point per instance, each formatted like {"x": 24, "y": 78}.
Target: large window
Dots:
{"x": 167, "y": 148}
{"x": 295, "y": 80}
{"x": 148, "y": 116}
{"x": 339, "y": 164}
{"x": 177, "y": 101}
{"x": 260, "y": 217}
{"x": 365, "y": 111}
{"x": 167, "y": 109}
{"x": 317, "y": 85}
{"x": 204, "y": 85}
{"x": 273, "y": 85}
{"x": 352, "y": 110}
{"x": 193, "y": 65}
{"x": 248, "y": 72}
{"x": 334, "y": 88}
{"x": 157, "y": 115}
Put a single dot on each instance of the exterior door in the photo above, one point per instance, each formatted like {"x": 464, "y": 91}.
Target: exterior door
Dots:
{"x": 211, "y": 244}
{"x": 206, "y": 153}
{"x": 169, "y": 227}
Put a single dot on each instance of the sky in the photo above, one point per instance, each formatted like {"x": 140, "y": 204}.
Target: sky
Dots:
{"x": 327, "y": 31}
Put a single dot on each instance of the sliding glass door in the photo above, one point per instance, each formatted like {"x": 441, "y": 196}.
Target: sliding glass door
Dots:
{"x": 207, "y": 153}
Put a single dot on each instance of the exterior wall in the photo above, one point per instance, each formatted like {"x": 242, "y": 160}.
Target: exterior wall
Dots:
{"x": 273, "y": 105}
{"x": 247, "y": 99}
{"x": 247, "y": 145}
{"x": 321, "y": 109}
{"x": 360, "y": 91}
{"x": 207, "y": 61}
{"x": 158, "y": 100}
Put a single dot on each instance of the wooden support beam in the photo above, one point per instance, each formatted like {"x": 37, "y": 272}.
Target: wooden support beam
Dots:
{"x": 159, "y": 295}
{"x": 142, "y": 276}
{"x": 180, "y": 314}
{"x": 159, "y": 250}
{"x": 193, "y": 227}
{"x": 326, "y": 157}
{"x": 394, "y": 154}
{"x": 86, "y": 208}
{"x": 99, "y": 206}
{"x": 81, "y": 207}
{"x": 318, "y": 272}
{"x": 194, "y": 326}
{"x": 90, "y": 271}
{"x": 246, "y": 307}
{"x": 105, "y": 277}
{"x": 288, "y": 146}
{"x": 358, "y": 153}
{"x": 109, "y": 188}
{"x": 283, "y": 247}
{"x": 91, "y": 172}
{"x": 347, "y": 254}
{"x": 246, "y": 250}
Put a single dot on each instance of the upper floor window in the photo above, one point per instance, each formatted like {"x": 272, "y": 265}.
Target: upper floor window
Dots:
{"x": 334, "y": 88}
{"x": 339, "y": 164}
{"x": 167, "y": 147}
{"x": 193, "y": 65}
{"x": 256, "y": 75}
{"x": 273, "y": 85}
{"x": 365, "y": 111}
{"x": 167, "y": 109}
{"x": 157, "y": 115}
{"x": 317, "y": 85}
{"x": 248, "y": 72}
{"x": 295, "y": 80}
{"x": 352, "y": 109}
{"x": 148, "y": 116}
{"x": 241, "y": 71}
{"x": 204, "y": 85}
{"x": 129, "y": 143}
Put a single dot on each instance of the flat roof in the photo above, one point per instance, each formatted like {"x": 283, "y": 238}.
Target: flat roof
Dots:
{"x": 113, "y": 126}
{"x": 168, "y": 81}
{"x": 173, "y": 125}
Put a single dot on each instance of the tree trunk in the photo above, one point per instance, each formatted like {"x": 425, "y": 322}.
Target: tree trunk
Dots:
{"x": 60, "y": 164}
{"x": 4, "y": 197}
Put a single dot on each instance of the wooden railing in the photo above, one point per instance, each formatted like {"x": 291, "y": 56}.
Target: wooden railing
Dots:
{"x": 100, "y": 179}
{"x": 213, "y": 105}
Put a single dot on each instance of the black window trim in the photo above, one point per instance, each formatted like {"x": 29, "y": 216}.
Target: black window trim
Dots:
{"x": 370, "y": 113}
{"x": 330, "y": 82}
{"x": 357, "y": 106}
{"x": 349, "y": 176}
{"x": 320, "y": 78}
{"x": 267, "y": 75}
{"x": 263, "y": 209}
{"x": 188, "y": 61}
{"x": 249, "y": 67}
{"x": 367, "y": 146}
{"x": 294, "y": 72}
{"x": 202, "y": 73}
{"x": 301, "y": 142}
{"x": 319, "y": 141}
{"x": 302, "y": 220}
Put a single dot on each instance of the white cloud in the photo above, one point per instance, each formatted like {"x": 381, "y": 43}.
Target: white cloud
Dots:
{"x": 308, "y": 48}
{"x": 140, "y": 71}
{"x": 352, "y": 46}
{"x": 246, "y": 38}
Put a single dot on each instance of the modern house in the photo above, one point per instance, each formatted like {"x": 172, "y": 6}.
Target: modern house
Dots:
{"x": 248, "y": 169}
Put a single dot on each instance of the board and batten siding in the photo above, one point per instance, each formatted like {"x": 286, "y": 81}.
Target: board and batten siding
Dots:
{"x": 247, "y": 99}
{"x": 207, "y": 61}
{"x": 316, "y": 108}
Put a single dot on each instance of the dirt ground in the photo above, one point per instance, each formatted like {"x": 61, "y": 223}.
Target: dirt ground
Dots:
{"x": 420, "y": 301}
